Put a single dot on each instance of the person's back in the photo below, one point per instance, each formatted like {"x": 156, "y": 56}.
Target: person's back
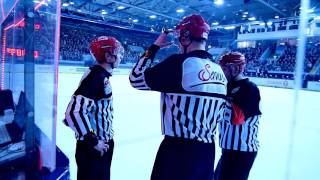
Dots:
{"x": 193, "y": 90}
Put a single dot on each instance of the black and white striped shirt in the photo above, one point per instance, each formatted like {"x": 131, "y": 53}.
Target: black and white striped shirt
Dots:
{"x": 242, "y": 137}
{"x": 193, "y": 90}
{"x": 91, "y": 107}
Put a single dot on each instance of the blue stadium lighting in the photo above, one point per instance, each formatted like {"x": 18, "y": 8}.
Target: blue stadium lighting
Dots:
{"x": 65, "y": 4}
{"x": 218, "y": 2}
{"x": 229, "y": 27}
{"x": 135, "y": 20}
{"x": 276, "y": 17}
{"x": 310, "y": 10}
{"x": 262, "y": 24}
{"x": 120, "y": 7}
{"x": 180, "y": 10}
{"x": 215, "y": 23}
{"x": 269, "y": 23}
{"x": 252, "y": 18}
{"x": 153, "y": 16}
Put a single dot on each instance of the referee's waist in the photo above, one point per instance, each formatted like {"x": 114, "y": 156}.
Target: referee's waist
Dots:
{"x": 184, "y": 140}
{"x": 86, "y": 142}
{"x": 99, "y": 138}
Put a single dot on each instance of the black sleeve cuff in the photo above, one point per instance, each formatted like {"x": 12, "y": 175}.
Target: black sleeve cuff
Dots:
{"x": 150, "y": 53}
{"x": 91, "y": 139}
{"x": 154, "y": 48}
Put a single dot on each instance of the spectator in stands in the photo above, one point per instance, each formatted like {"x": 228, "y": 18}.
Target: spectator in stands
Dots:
{"x": 74, "y": 41}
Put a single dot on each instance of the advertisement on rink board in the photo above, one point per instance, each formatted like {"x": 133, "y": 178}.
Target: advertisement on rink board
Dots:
{"x": 281, "y": 83}
{"x": 314, "y": 85}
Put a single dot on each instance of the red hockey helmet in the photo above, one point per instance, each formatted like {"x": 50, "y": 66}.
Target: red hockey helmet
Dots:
{"x": 193, "y": 26}
{"x": 103, "y": 44}
{"x": 233, "y": 58}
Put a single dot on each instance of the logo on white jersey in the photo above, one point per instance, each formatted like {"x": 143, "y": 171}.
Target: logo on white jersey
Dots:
{"x": 208, "y": 73}
{"x": 202, "y": 75}
{"x": 107, "y": 86}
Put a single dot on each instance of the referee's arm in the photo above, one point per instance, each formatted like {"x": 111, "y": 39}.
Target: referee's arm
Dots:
{"x": 137, "y": 79}
{"x": 163, "y": 77}
{"x": 81, "y": 105}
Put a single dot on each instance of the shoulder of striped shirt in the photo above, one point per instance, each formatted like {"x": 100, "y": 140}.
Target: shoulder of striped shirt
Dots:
{"x": 109, "y": 97}
{"x": 81, "y": 96}
{"x": 199, "y": 94}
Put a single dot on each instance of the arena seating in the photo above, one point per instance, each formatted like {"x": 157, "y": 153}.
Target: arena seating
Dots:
{"x": 74, "y": 44}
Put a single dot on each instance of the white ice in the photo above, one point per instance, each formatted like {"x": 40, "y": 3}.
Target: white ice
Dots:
{"x": 138, "y": 132}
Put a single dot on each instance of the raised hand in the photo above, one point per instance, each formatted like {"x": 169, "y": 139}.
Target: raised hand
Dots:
{"x": 162, "y": 41}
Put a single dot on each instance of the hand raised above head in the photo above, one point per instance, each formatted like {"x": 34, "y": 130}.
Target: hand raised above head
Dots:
{"x": 162, "y": 40}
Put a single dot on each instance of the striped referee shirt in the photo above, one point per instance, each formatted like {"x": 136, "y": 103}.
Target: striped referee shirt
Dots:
{"x": 90, "y": 110}
{"x": 244, "y": 137}
{"x": 193, "y": 91}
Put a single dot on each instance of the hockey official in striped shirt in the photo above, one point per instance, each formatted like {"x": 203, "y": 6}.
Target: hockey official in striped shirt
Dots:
{"x": 238, "y": 135}
{"x": 90, "y": 112}
{"x": 193, "y": 92}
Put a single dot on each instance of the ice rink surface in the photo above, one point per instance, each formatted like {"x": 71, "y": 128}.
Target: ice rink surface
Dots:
{"x": 138, "y": 132}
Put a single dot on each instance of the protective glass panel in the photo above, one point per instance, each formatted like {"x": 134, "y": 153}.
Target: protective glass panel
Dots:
{"x": 29, "y": 67}
{"x": 269, "y": 33}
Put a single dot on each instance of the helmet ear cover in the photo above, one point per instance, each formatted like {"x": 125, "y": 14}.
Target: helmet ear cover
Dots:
{"x": 185, "y": 38}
